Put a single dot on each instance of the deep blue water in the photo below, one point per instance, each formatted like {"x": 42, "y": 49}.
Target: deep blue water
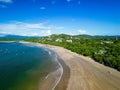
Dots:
{"x": 22, "y": 66}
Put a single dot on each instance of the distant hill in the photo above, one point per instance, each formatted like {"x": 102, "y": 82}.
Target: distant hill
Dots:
{"x": 12, "y": 36}
{"x": 7, "y": 37}
{"x": 16, "y": 36}
{"x": 83, "y": 36}
{"x": 65, "y": 36}
{"x": 60, "y": 36}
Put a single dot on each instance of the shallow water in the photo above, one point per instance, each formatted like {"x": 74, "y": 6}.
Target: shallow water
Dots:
{"x": 23, "y": 66}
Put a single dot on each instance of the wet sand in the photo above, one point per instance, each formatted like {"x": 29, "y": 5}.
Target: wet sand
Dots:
{"x": 58, "y": 79}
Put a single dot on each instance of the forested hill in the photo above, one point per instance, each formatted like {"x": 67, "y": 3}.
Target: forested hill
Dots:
{"x": 103, "y": 49}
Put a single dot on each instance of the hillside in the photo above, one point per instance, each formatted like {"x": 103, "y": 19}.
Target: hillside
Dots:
{"x": 103, "y": 49}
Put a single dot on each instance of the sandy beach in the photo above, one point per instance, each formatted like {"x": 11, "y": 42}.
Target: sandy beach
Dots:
{"x": 79, "y": 73}
{"x": 84, "y": 73}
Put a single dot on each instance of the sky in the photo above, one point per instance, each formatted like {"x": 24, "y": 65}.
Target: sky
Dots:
{"x": 46, "y": 17}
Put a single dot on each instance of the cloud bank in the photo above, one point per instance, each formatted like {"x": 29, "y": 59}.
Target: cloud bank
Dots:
{"x": 83, "y": 31}
{"x": 25, "y": 29}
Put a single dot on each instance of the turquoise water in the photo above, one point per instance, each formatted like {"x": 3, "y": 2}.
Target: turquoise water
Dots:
{"x": 23, "y": 66}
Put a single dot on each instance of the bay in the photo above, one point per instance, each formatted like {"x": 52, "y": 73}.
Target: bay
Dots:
{"x": 23, "y": 66}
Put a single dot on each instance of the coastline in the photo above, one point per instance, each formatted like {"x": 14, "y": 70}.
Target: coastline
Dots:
{"x": 52, "y": 80}
{"x": 83, "y": 73}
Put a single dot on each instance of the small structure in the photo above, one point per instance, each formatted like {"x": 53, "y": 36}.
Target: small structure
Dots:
{"x": 77, "y": 38}
{"x": 49, "y": 39}
{"x": 101, "y": 52}
{"x": 58, "y": 40}
{"x": 107, "y": 42}
{"x": 70, "y": 41}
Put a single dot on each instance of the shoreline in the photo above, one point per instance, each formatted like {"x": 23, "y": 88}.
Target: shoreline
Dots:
{"x": 63, "y": 83}
{"x": 85, "y": 73}
{"x": 80, "y": 73}
{"x": 59, "y": 71}
{"x": 53, "y": 79}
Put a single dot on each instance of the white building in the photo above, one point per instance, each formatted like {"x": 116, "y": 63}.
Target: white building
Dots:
{"x": 69, "y": 41}
{"x": 107, "y": 42}
{"x": 58, "y": 40}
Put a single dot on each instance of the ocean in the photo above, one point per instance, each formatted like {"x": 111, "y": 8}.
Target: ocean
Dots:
{"x": 24, "y": 65}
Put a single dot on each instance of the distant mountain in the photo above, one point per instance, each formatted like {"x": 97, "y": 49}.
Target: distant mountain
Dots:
{"x": 65, "y": 36}
{"x": 2, "y": 35}
{"x": 13, "y": 36}
{"x": 83, "y": 36}
{"x": 59, "y": 35}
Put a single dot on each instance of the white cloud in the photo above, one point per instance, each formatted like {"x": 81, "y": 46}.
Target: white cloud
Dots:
{"x": 28, "y": 29}
{"x": 57, "y": 27}
{"x": 48, "y": 32}
{"x": 83, "y": 31}
{"x": 42, "y": 8}
{"x": 6, "y": 1}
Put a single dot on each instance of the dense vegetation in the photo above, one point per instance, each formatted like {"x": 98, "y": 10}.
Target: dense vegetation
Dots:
{"x": 103, "y": 49}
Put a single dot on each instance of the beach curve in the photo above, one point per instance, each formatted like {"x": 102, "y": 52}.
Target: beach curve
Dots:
{"x": 53, "y": 78}
{"x": 85, "y": 73}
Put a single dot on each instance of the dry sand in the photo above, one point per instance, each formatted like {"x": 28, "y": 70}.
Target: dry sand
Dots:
{"x": 85, "y": 74}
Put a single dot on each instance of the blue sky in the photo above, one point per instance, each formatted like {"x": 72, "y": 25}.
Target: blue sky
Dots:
{"x": 45, "y": 17}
